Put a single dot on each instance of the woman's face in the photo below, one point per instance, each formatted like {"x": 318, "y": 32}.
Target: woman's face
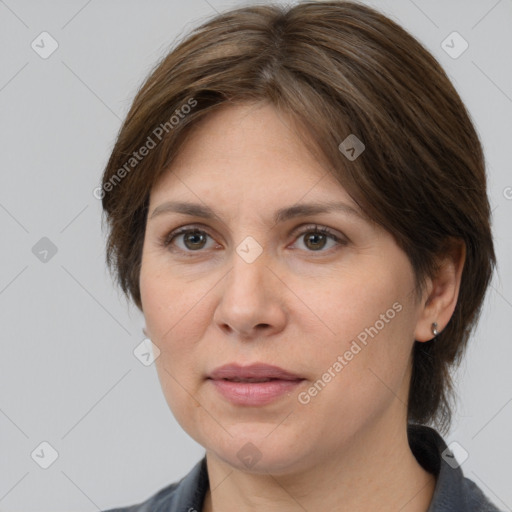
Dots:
{"x": 337, "y": 311}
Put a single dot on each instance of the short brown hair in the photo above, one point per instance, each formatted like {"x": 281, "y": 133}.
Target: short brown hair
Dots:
{"x": 336, "y": 68}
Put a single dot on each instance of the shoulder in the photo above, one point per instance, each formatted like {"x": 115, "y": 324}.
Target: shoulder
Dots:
{"x": 475, "y": 499}
{"x": 162, "y": 500}
{"x": 453, "y": 492}
{"x": 185, "y": 495}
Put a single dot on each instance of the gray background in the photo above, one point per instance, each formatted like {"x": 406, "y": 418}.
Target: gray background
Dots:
{"x": 68, "y": 375}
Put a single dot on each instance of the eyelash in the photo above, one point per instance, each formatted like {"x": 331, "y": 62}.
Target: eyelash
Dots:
{"x": 167, "y": 239}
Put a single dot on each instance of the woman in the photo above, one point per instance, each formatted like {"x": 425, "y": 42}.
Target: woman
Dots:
{"x": 297, "y": 204}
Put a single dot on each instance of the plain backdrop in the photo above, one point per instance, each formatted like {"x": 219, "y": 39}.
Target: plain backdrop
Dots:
{"x": 68, "y": 373}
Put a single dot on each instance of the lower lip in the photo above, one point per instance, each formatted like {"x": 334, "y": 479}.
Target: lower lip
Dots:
{"x": 254, "y": 393}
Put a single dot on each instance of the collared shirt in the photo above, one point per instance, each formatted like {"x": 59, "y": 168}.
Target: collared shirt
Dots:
{"x": 453, "y": 491}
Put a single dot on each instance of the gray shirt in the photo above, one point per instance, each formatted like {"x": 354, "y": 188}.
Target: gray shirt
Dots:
{"x": 453, "y": 492}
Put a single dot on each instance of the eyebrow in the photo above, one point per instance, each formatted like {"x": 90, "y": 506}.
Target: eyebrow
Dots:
{"x": 281, "y": 215}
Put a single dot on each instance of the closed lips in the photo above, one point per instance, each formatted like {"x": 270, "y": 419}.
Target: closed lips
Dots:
{"x": 236, "y": 379}
{"x": 257, "y": 372}
{"x": 255, "y": 385}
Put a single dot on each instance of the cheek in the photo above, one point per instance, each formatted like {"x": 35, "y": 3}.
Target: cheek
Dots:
{"x": 169, "y": 304}
{"x": 368, "y": 320}
{"x": 176, "y": 316}
{"x": 172, "y": 323}
{"x": 355, "y": 304}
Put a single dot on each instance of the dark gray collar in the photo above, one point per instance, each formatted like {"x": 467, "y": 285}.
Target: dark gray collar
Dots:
{"x": 453, "y": 491}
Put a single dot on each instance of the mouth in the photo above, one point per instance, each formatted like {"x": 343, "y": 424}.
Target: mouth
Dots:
{"x": 236, "y": 379}
{"x": 257, "y": 372}
{"x": 254, "y": 385}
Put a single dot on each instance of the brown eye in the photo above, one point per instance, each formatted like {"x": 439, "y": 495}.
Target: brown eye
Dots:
{"x": 315, "y": 241}
{"x": 316, "y": 238}
{"x": 192, "y": 240}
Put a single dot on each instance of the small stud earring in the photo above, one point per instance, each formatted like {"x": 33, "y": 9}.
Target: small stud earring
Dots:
{"x": 435, "y": 332}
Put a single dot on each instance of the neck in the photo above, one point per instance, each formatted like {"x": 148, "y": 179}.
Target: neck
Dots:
{"x": 376, "y": 472}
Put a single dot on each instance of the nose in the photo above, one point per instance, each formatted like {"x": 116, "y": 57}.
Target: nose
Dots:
{"x": 252, "y": 300}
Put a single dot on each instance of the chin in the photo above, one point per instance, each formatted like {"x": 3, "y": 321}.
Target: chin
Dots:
{"x": 260, "y": 453}
{"x": 250, "y": 459}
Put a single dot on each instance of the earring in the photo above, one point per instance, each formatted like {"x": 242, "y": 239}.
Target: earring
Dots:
{"x": 435, "y": 332}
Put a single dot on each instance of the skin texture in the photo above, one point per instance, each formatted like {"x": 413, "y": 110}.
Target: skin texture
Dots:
{"x": 299, "y": 305}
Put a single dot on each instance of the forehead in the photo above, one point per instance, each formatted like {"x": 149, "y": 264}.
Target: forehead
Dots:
{"x": 243, "y": 151}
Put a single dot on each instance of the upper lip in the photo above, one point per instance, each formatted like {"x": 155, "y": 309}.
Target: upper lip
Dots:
{"x": 253, "y": 371}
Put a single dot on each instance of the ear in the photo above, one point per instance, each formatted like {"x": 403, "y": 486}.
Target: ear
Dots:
{"x": 441, "y": 292}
